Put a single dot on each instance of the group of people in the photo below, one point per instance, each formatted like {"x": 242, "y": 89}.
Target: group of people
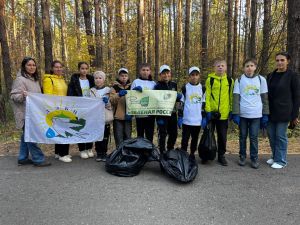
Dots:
{"x": 251, "y": 101}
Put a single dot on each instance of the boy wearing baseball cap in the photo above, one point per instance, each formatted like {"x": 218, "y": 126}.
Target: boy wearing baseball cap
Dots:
{"x": 167, "y": 125}
{"x": 122, "y": 124}
{"x": 190, "y": 115}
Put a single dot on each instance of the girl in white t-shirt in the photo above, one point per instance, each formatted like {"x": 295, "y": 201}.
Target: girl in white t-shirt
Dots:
{"x": 250, "y": 110}
{"x": 144, "y": 124}
{"x": 102, "y": 92}
{"x": 80, "y": 85}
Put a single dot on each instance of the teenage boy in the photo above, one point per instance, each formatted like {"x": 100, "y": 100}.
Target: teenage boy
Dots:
{"x": 190, "y": 116}
{"x": 218, "y": 104}
{"x": 122, "y": 123}
{"x": 250, "y": 109}
{"x": 167, "y": 125}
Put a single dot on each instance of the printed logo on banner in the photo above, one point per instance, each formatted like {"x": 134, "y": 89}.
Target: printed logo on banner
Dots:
{"x": 63, "y": 123}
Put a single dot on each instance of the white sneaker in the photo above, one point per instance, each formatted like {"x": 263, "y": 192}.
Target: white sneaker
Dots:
{"x": 90, "y": 153}
{"x": 84, "y": 155}
{"x": 277, "y": 166}
{"x": 56, "y": 156}
{"x": 65, "y": 159}
{"x": 270, "y": 161}
{"x": 69, "y": 156}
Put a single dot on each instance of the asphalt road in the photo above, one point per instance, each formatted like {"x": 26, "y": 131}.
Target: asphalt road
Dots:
{"x": 83, "y": 193}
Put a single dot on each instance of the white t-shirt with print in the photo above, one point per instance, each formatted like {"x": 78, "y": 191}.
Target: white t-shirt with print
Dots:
{"x": 192, "y": 105}
{"x": 250, "y": 90}
{"x": 85, "y": 87}
{"x": 145, "y": 84}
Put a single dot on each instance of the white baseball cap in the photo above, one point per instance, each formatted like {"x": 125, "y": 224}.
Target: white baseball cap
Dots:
{"x": 194, "y": 68}
{"x": 164, "y": 67}
{"x": 123, "y": 70}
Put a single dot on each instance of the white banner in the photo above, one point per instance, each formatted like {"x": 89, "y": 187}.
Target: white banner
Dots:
{"x": 53, "y": 119}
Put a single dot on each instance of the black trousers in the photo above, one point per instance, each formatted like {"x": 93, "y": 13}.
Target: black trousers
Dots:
{"x": 145, "y": 127}
{"x": 187, "y": 131}
{"x": 101, "y": 146}
{"x": 85, "y": 146}
{"x": 169, "y": 128}
{"x": 221, "y": 127}
{"x": 61, "y": 149}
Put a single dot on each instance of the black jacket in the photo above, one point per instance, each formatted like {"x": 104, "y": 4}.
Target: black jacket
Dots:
{"x": 171, "y": 86}
{"x": 284, "y": 97}
{"x": 74, "y": 88}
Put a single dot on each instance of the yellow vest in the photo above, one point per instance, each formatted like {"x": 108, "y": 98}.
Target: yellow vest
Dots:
{"x": 54, "y": 85}
{"x": 218, "y": 97}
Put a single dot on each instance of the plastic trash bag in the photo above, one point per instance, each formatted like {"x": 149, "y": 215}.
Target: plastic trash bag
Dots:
{"x": 207, "y": 148}
{"x": 131, "y": 155}
{"x": 178, "y": 165}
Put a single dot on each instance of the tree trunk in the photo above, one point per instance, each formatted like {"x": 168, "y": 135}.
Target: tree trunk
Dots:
{"x": 178, "y": 44}
{"x": 247, "y": 29}
{"x": 88, "y": 30}
{"x": 109, "y": 35}
{"x": 37, "y": 29}
{"x": 252, "y": 42}
{"x": 235, "y": 38}
{"x": 293, "y": 38}
{"x": 149, "y": 30}
{"x": 204, "y": 34}
{"x": 140, "y": 33}
{"x": 229, "y": 37}
{"x": 77, "y": 25}
{"x": 6, "y": 62}
{"x": 120, "y": 43}
{"x": 156, "y": 38}
{"x": 266, "y": 37}
{"x": 187, "y": 33}
{"x": 98, "y": 36}
{"x": 63, "y": 29}
{"x": 47, "y": 35}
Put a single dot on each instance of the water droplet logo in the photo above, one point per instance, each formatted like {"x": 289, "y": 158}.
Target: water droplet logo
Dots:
{"x": 50, "y": 133}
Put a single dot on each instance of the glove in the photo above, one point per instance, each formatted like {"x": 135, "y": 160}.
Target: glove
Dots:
{"x": 138, "y": 88}
{"x": 236, "y": 119}
{"x": 160, "y": 122}
{"x": 230, "y": 116}
{"x": 179, "y": 122}
{"x": 122, "y": 93}
{"x": 208, "y": 116}
{"x": 105, "y": 99}
{"x": 264, "y": 121}
{"x": 204, "y": 122}
{"x": 179, "y": 96}
{"x": 128, "y": 117}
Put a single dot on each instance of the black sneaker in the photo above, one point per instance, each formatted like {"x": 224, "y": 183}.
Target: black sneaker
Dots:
{"x": 42, "y": 164}
{"x": 24, "y": 162}
{"x": 222, "y": 161}
{"x": 101, "y": 158}
{"x": 242, "y": 161}
{"x": 254, "y": 164}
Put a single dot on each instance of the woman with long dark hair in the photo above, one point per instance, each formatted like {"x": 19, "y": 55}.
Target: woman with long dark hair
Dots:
{"x": 54, "y": 84}
{"x": 27, "y": 81}
{"x": 284, "y": 103}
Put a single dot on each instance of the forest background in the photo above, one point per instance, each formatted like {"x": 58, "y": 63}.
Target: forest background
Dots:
{"x": 110, "y": 34}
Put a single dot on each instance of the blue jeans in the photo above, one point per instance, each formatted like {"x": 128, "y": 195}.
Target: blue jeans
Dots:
{"x": 251, "y": 126}
{"x": 277, "y": 132}
{"x": 37, "y": 156}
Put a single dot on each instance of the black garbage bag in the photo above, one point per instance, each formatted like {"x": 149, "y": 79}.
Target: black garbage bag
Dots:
{"x": 131, "y": 155}
{"x": 207, "y": 148}
{"x": 178, "y": 165}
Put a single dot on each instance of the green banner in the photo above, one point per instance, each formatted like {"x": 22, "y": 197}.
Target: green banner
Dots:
{"x": 150, "y": 102}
